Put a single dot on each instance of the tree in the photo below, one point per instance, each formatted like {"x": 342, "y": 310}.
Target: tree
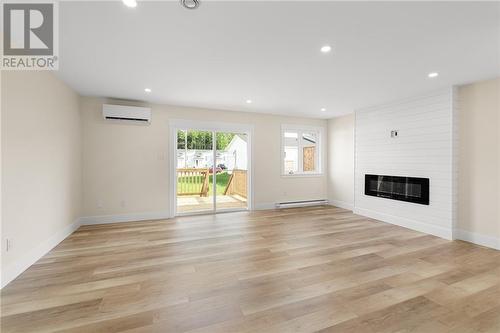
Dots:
{"x": 202, "y": 140}
{"x": 223, "y": 140}
{"x": 181, "y": 140}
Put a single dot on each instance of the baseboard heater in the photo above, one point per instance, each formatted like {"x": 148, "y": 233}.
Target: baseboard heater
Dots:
{"x": 301, "y": 203}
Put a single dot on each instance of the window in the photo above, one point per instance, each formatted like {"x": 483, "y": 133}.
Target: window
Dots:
{"x": 301, "y": 150}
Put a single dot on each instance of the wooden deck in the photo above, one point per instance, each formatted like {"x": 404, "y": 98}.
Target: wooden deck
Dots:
{"x": 195, "y": 203}
{"x": 295, "y": 270}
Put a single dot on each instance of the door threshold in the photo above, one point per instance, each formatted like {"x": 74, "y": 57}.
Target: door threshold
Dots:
{"x": 212, "y": 213}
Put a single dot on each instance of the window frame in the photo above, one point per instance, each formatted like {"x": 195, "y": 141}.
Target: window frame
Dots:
{"x": 300, "y": 129}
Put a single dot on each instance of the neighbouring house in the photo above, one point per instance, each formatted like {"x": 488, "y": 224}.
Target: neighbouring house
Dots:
{"x": 236, "y": 153}
{"x": 194, "y": 158}
{"x": 233, "y": 157}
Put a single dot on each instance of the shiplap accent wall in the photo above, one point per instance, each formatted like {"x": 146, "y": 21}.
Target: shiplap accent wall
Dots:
{"x": 425, "y": 147}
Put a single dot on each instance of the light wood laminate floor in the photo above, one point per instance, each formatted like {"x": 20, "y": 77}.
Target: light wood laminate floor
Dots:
{"x": 296, "y": 270}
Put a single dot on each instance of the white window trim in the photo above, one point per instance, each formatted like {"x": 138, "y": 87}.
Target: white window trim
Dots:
{"x": 320, "y": 149}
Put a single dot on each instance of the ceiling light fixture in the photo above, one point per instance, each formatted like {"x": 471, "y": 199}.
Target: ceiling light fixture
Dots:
{"x": 433, "y": 75}
{"x": 190, "y": 4}
{"x": 323, "y": 109}
{"x": 130, "y": 3}
{"x": 148, "y": 90}
{"x": 249, "y": 101}
{"x": 326, "y": 48}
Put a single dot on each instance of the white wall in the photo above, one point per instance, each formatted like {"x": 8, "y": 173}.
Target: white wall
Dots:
{"x": 41, "y": 166}
{"x": 424, "y": 148}
{"x": 1, "y": 187}
{"x": 126, "y": 167}
{"x": 341, "y": 161}
{"x": 479, "y": 166}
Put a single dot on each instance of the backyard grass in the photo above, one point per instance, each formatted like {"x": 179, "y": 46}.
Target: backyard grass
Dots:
{"x": 193, "y": 184}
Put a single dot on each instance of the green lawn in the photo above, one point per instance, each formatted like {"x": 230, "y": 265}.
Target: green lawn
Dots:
{"x": 193, "y": 184}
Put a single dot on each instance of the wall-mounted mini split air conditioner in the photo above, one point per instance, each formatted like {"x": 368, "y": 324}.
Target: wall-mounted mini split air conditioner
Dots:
{"x": 126, "y": 113}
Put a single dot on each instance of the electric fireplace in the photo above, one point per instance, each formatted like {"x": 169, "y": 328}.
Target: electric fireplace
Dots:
{"x": 410, "y": 189}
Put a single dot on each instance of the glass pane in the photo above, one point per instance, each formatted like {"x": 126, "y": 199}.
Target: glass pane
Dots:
{"x": 291, "y": 159}
{"x": 290, "y": 139}
{"x": 309, "y": 138}
{"x": 309, "y": 151}
{"x": 181, "y": 139}
{"x": 309, "y": 158}
{"x": 194, "y": 171}
{"x": 231, "y": 167}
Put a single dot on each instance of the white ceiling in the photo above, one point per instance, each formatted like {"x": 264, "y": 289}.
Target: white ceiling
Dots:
{"x": 224, "y": 53}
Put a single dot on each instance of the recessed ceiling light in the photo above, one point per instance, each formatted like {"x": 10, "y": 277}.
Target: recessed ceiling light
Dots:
{"x": 148, "y": 90}
{"x": 323, "y": 109}
{"x": 326, "y": 48}
{"x": 130, "y": 3}
{"x": 249, "y": 101}
{"x": 433, "y": 74}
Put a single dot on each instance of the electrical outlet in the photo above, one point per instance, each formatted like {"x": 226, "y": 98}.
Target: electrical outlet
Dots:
{"x": 123, "y": 203}
{"x": 99, "y": 204}
{"x": 394, "y": 133}
{"x": 8, "y": 244}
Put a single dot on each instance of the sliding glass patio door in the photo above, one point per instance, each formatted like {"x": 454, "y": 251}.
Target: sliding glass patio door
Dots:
{"x": 212, "y": 171}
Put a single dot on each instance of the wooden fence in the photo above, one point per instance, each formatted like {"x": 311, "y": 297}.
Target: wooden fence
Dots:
{"x": 192, "y": 181}
{"x": 237, "y": 183}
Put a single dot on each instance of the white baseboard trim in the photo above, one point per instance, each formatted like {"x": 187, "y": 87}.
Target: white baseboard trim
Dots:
{"x": 407, "y": 223}
{"x": 341, "y": 204}
{"x": 133, "y": 217}
{"x": 14, "y": 270}
{"x": 479, "y": 239}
